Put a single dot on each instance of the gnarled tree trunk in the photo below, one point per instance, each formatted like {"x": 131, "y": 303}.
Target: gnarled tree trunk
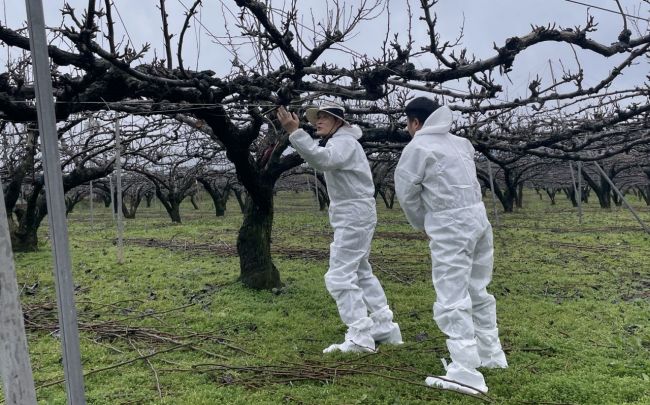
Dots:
{"x": 219, "y": 197}
{"x": 603, "y": 190}
{"x": 24, "y": 233}
{"x": 645, "y": 194}
{"x": 550, "y": 191}
{"x": 194, "y": 202}
{"x": 254, "y": 244}
{"x": 130, "y": 205}
{"x": 520, "y": 195}
{"x": 240, "y": 195}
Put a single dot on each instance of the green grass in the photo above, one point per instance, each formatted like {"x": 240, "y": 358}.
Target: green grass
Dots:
{"x": 573, "y": 303}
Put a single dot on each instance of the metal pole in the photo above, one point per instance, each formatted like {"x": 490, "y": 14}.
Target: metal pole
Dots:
{"x": 110, "y": 186}
{"x": 580, "y": 189}
{"x": 118, "y": 185}
{"x": 628, "y": 206}
{"x": 494, "y": 196}
{"x": 55, "y": 204}
{"x": 15, "y": 368}
{"x": 92, "y": 216}
{"x": 575, "y": 187}
{"x": 316, "y": 189}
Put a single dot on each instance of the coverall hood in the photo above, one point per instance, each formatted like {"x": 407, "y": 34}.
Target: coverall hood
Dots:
{"x": 438, "y": 123}
{"x": 352, "y": 130}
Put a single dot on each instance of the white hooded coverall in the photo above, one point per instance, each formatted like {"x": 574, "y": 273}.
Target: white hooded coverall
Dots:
{"x": 352, "y": 214}
{"x": 436, "y": 185}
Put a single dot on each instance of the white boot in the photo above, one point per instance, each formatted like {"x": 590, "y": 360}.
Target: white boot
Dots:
{"x": 459, "y": 379}
{"x": 489, "y": 348}
{"x": 384, "y": 330}
{"x": 357, "y": 339}
{"x": 462, "y": 374}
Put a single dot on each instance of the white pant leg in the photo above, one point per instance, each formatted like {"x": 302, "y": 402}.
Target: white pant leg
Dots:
{"x": 452, "y": 242}
{"x": 346, "y": 253}
{"x": 451, "y": 258}
{"x": 373, "y": 293}
{"x": 342, "y": 283}
{"x": 483, "y": 303}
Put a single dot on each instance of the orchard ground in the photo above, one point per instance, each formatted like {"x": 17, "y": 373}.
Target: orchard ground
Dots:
{"x": 173, "y": 326}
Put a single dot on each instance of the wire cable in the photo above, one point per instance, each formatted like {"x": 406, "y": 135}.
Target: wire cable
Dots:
{"x": 123, "y": 25}
{"x": 607, "y": 9}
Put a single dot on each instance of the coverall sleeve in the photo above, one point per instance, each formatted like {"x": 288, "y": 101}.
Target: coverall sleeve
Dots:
{"x": 409, "y": 174}
{"x": 333, "y": 156}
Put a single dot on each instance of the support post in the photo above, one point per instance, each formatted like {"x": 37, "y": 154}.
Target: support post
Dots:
{"x": 111, "y": 190}
{"x": 118, "y": 186}
{"x": 578, "y": 195}
{"x": 316, "y": 190}
{"x": 580, "y": 189}
{"x": 92, "y": 215}
{"x": 55, "y": 204}
{"x": 16, "y": 371}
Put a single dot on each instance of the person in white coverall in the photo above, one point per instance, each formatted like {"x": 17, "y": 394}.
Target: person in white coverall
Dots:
{"x": 359, "y": 296}
{"x": 437, "y": 188}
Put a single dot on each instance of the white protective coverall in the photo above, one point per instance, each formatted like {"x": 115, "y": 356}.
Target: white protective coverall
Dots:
{"x": 352, "y": 214}
{"x": 436, "y": 185}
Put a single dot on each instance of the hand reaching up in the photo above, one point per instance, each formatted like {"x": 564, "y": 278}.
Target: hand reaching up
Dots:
{"x": 289, "y": 121}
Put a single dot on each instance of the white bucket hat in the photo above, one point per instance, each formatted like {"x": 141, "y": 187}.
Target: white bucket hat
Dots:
{"x": 333, "y": 109}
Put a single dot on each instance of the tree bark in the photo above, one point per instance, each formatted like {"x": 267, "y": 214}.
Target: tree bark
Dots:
{"x": 24, "y": 234}
{"x": 130, "y": 205}
{"x": 323, "y": 199}
{"x": 148, "y": 197}
{"x": 241, "y": 198}
{"x": 172, "y": 204}
{"x": 551, "y": 194}
{"x": 520, "y": 195}
{"x": 604, "y": 194}
{"x": 618, "y": 201}
{"x": 383, "y": 197}
{"x": 602, "y": 190}
{"x": 71, "y": 202}
{"x": 175, "y": 212}
{"x": 254, "y": 244}
{"x": 510, "y": 196}
{"x": 571, "y": 195}
{"x": 508, "y": 202}
{"x": 106, "y": 198}
{"x": 645, "y": 194}
{"x": 391, "y": 199}
{"x": 219, "y": 198}
{"x": 193, "y": 201}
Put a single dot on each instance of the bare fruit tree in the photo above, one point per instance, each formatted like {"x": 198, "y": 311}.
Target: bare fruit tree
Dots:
{"x": 291, "y": 63}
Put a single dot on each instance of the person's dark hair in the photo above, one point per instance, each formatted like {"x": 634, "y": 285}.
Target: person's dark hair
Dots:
{"x": 420, "y": 108}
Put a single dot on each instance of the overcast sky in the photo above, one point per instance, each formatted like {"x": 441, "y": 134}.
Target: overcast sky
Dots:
{"x": 485, "y": 23}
